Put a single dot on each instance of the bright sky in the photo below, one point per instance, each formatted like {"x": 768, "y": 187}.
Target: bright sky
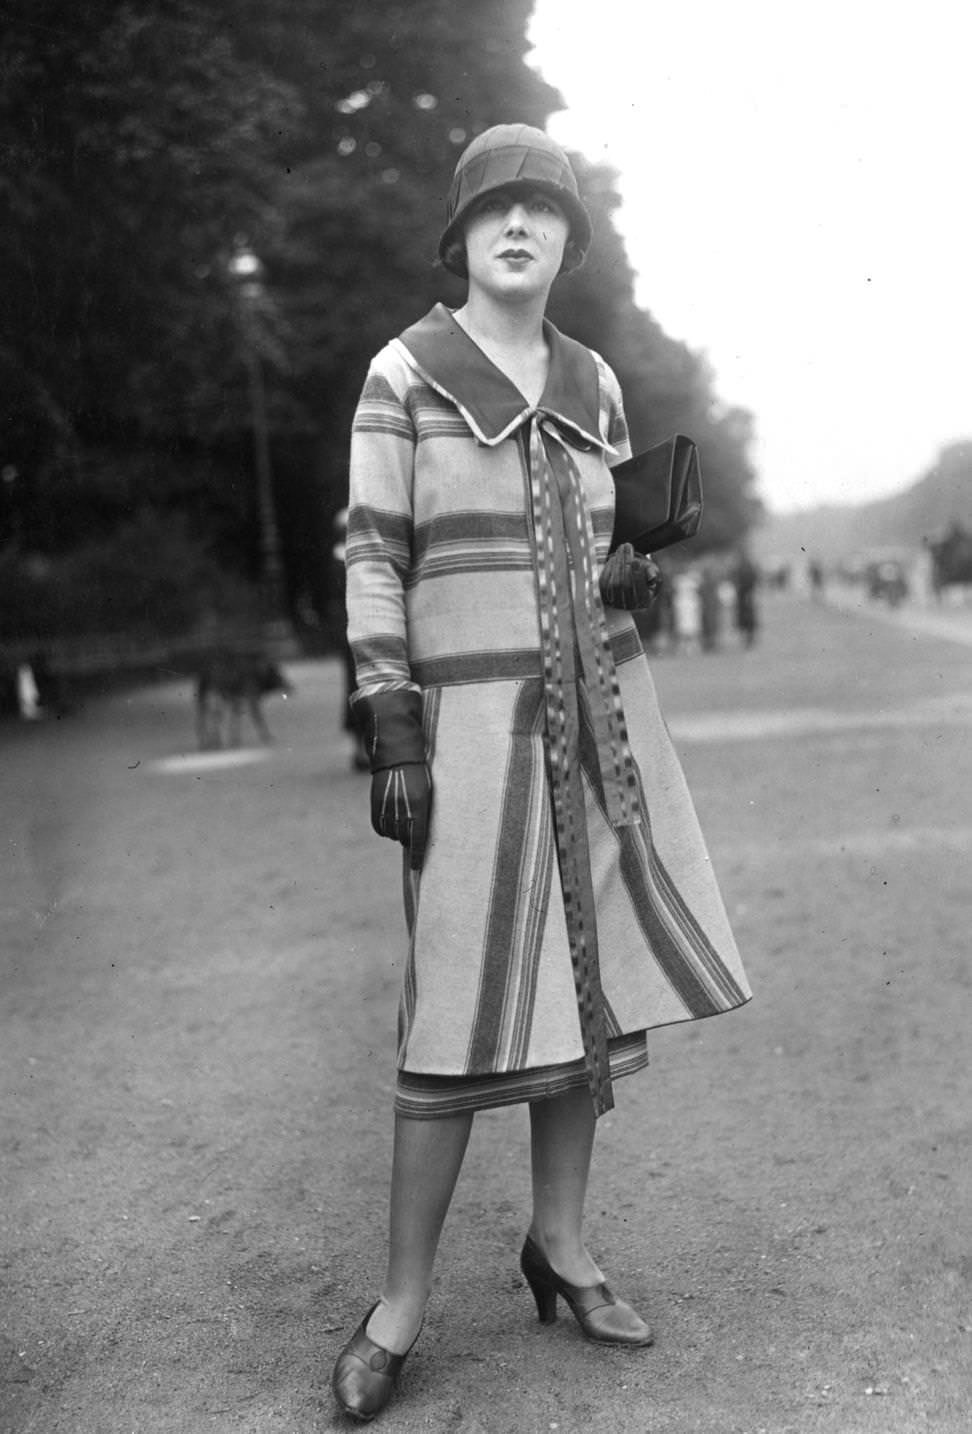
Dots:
{"x": 797, "y": 184}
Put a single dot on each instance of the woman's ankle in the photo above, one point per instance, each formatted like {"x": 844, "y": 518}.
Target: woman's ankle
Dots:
{"x": 396, "y": 1321}
{"x": 566, "y": 1253}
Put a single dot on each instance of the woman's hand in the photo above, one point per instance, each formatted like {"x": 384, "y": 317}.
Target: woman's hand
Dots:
{"x": 401, "y": 803}
{"x": 401, "y": 783}
{"x": 629, "y": 580}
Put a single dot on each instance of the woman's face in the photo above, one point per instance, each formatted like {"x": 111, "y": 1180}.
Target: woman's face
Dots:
{"x": 515, "y": 243}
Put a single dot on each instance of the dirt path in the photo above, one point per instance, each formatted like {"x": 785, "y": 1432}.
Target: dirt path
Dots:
{"x": 950, "y": 618}
{"x": 200, "y": 971}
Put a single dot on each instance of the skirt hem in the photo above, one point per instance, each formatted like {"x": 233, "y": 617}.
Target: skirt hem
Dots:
{"x": 428, "y": 1097}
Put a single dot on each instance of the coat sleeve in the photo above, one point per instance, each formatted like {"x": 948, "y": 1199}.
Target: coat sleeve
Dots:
{"x": 379, "y": 542}
{"x": 614, "y": 425}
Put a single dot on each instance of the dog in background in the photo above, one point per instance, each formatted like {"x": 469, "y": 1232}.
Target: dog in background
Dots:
{"x": 229, "y": 683}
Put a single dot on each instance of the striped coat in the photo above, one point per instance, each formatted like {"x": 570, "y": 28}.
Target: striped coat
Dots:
{"x": 566, "y": 895}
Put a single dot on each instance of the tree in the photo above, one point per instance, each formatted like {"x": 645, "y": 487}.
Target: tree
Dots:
{"x": 148, "y": 139}
{"x": 147, "y": 135}
{"x": 141, "y": 144}
{"x": 405, "y": 87}
{"x": 668, "y": 388}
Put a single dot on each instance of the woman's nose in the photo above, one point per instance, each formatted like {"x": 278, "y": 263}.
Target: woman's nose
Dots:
{"x": 516, "y": 219}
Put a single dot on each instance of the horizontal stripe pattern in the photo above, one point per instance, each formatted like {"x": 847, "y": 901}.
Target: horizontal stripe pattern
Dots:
{"x": 455, "y": 543}
{"x": 380, "y": 410}
{"x": 602, "y": 521}
{"x": 381, "y": 661}
{"x": 442, "y": 597}
{"x": 432, "y": 1097}
{"x": 378, "y": 536}
{"x": 506, "y": 665}
{"x": 441, "y": 524}
{"x": 469, "y": 527}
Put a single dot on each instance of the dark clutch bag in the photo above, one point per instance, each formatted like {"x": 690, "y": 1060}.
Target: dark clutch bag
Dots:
{"x": 658, "y": 496}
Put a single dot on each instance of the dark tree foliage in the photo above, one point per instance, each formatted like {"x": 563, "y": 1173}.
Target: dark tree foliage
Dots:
{"x": 402, "y": 89}
{"x": 140, "y": 143}
{"x": 146, "y": 141}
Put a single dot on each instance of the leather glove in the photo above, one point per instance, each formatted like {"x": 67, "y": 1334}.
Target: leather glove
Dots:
{"x": 401, "y": 784}
{"x": 630, "y": 580}
{"x": 401, "y": 799}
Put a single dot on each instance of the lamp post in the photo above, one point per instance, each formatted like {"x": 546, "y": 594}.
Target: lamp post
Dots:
{"x": 247, "y": 270}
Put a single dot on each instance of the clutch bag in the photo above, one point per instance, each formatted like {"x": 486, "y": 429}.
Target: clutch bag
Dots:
{"x": 658, "y": 496}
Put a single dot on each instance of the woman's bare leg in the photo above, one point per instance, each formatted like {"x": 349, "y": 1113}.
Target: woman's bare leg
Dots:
{"x": 427, "y": 1159}
{"x": 562, "y": 1131}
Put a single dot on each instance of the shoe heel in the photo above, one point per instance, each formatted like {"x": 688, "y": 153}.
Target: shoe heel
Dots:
{"x": 537, "y": 1274}
{"x": 546, "y": 1298}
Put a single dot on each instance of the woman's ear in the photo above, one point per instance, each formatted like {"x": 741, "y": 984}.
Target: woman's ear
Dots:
{"x": 454, "y": 258}
{"x": 573, "y": 257}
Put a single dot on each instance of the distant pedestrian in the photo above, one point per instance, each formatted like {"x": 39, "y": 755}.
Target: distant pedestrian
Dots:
{"x": 710, "y": 606}
{"x": 687, "y": 607}
{"x": 28, "y": 694}
{"x": 559, "y": 897}
{"x": 745, "y": 580}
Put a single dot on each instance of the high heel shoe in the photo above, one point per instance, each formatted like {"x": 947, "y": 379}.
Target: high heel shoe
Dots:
{"x": 365, "y": 1375}
{"x": 602, "y": 1317}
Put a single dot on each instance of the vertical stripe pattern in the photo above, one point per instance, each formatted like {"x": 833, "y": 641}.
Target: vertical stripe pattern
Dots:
{"x": 566, "y": 897}
{"x": 520, "y": 892}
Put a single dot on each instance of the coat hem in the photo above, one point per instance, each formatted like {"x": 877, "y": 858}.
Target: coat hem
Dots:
{"x": 430, "y": 1097}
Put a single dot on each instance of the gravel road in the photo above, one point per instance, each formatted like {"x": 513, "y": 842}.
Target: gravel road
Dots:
{"x": 200, "y": 966}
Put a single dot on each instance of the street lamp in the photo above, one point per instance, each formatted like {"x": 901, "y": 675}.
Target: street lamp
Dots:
{"x": 246, "y": 269}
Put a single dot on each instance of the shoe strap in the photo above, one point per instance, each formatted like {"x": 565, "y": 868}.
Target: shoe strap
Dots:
{"x": 585, "y": 1299}
{"x": 379, "y": 1360}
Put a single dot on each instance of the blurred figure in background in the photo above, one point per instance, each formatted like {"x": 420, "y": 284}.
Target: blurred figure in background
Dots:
{"x": 687, "y": 612}
{"x": 745, "y": 580}
{"x": 28, "y": 694}
{"x": 711, "y": 608}
{"x": 40, "y": 691}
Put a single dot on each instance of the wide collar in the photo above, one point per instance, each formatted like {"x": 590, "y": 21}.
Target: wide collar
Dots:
{"x": 444, "y": 355}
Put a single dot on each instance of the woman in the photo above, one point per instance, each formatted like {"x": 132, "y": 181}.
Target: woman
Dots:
{"x": 558, "y": 893}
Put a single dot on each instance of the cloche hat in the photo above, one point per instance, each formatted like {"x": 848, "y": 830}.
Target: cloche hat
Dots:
{"x": 513, "y": 156}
